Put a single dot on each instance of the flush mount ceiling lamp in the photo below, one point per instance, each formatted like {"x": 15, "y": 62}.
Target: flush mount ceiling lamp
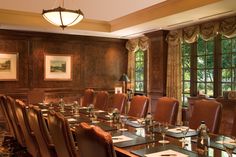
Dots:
{"x": 63, "y": 17}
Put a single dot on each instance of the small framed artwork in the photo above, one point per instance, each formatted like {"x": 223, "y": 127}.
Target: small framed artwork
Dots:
{"x": 118, "y": 90}
{"x": 57, "y": 67}
{"x": 8, "y": 66}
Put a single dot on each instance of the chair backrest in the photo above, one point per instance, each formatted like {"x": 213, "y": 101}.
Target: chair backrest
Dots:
{"x": 93, "y": 141}
{"x": 233, "y": 132}
{"x": 139, "y": 106}
{"x": 61, "y": 135}
{"x": 30, "y": 141}
{"x": 166, "y": 110}
{"x": 119, "y": 101}
{"x": 3, "y": 107}
{"x": 101, "y": 100}
{"x": 10, "y": 107}
{"x": 40, "y": 130}
{"x": 88, "y": 97}
{"x": 206, "y": 110}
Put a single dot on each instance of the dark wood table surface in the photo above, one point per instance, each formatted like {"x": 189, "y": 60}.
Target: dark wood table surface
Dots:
{"x": 141, "y": 143}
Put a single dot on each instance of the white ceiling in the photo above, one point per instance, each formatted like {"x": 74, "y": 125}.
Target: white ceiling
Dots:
{"x": 119, "y": 12}
{"x": 105, "y": 10}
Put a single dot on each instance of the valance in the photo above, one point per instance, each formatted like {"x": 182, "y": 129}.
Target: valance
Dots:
{"x": 138, "y": 43}
{"x": 207, "y": 31}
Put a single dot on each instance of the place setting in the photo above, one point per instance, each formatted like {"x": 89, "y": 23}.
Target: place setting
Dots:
{"x": 164, "y": 150}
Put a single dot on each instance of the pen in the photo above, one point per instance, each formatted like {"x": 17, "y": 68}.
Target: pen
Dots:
{"x": 168, "y": 155}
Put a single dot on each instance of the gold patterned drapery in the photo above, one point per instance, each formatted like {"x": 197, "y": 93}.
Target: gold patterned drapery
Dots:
{"x": 133, "y": 45}
{"x": 207, "y": 31}
{"x": 173, "y": 85}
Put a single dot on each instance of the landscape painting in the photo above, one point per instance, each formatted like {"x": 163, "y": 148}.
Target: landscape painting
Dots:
{"x": 57, "y": 68}
{"x": 8, "y": 66}
{"x": 5, "y": 64}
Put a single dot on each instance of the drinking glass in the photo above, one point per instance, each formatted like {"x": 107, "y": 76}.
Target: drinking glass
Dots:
{"x": 123, "y": 122}
{"x": 163, "y": 129}
{"x": 229, "y": 144}
{"x": 184, "y": 130}
{"x": 110, "y": 114}
{"x": 76, "y": 107}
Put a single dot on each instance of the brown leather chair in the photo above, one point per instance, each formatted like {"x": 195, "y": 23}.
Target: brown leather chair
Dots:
{"x": 209, "y": 111}
{"x": 138, "y": 106}
{"x": 119, "y": 101}
{"x": 233, "y": 132}
{"x": 3, "y": 107}
{"x": 101, "y": 100}
{"x": 10, "y": 108}
{"x": 93, "y": 141}
{"x": 61, "y": 135}
{"x": 30, "y": 141}
{"x": 38, "y": 125}
{"x": 88, "y": 97}
{"x": 166, "y": 110}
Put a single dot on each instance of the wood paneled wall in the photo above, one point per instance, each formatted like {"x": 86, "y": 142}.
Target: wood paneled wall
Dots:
{"x": 97, "y": 62}
{"x": 157, "y": 66}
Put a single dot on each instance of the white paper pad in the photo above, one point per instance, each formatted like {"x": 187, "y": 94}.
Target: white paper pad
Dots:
{"x": 71, "y": 120}
{"x": 134, "y": 121}
{"x": 83, "y": 107}
{"x": 99, "y": 111}
{"x": 45, "y": 114}
{"x": 121, "y": 138}
{"x": 229, "y": 142}
{"x": 44, "y": 110}
{"x": 178, "y": 130}
{"x": 168, "y": 152}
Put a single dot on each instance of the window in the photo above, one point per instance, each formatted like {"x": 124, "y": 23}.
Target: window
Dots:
{"x": 205, "y": 66}
{"x": 139, "y": 71}
{"x": 186, "y": 49}
{"x": 228, "y": 64}
{"x": 208, "y": 67}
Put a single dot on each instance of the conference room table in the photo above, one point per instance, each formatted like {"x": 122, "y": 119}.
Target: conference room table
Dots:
{"x": 134, "y": 140}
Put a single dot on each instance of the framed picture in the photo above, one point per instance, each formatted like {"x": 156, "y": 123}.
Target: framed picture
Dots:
{"x": 57, "y": 67}
{"x": 8, "y": 66}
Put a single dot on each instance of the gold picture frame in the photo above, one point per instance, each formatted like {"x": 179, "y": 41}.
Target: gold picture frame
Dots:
{"x": 9, "y": 66}
{"x": 57, "y": 67}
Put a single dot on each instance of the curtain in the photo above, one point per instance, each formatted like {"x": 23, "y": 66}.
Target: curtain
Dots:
{"x": 173, "y": 86}
{"x": 133, "y": 45}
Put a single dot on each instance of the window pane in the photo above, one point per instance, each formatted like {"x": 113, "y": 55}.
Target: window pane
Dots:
{"x": 201, "y": 62}
{"x": 209, "y": 61}
{"x": 186, "y": 62}
{"x": 210, "y": 47}
{"x": 234, "y": 60}
{"x": 226, "y": 60}
{"x": 186, "y": 87}
{"x": 185, "y": 99}
{"x": 226, "y": 87}
{"x": 226, "y": 75}
{"x": 226, "y": 46}
{"x": 234, "y": 44}
{"x": 200, "y": 47}
{"x": 139, "y": 86}
{"x": 209, "y": 89}
{"x": 186, "y": 49}
{"x": 186, "y": 74}
{"x": 139, "y": 67}
{"x": 201, "y": 75}
{"x": 209, "y": 75}
{"x": 201, "y": 87}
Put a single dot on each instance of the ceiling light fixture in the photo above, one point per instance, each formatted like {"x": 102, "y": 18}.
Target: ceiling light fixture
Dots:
{"x": 63, "y": 17}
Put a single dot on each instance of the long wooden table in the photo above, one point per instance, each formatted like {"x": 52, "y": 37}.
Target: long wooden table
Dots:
{"x": 141, "y": 143}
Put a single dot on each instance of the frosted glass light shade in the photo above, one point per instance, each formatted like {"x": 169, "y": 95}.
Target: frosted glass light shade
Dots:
{"x": 63, "y": 17}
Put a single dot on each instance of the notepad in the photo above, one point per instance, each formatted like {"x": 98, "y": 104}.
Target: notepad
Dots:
{"x": 71, "y": 120}
{"x": 121, "y": 138}
{"x": 168, "y": 153}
